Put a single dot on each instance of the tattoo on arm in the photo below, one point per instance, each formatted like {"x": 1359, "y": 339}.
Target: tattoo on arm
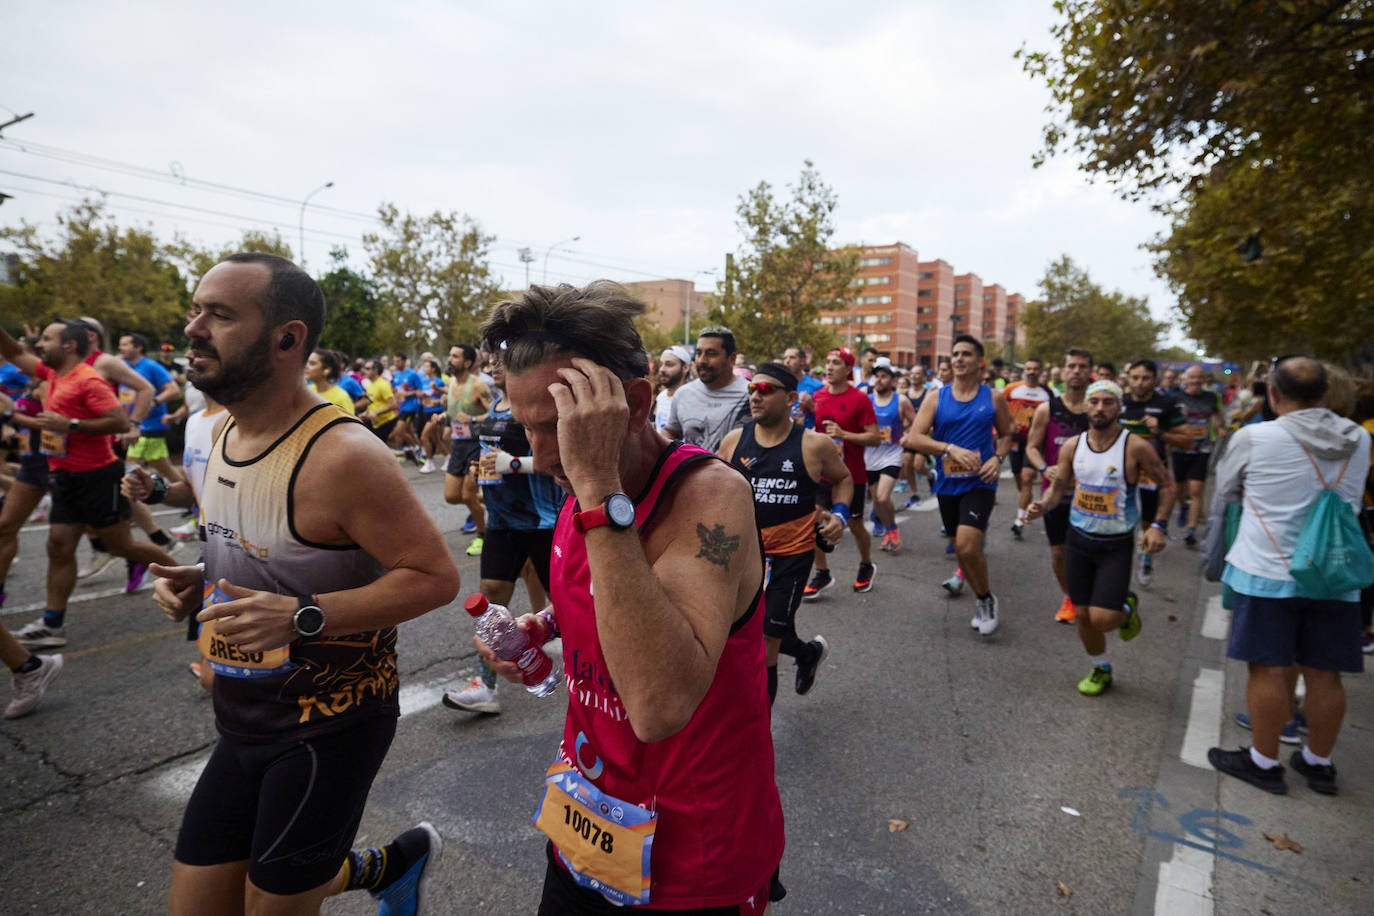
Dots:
{"x": 716, "y": 546}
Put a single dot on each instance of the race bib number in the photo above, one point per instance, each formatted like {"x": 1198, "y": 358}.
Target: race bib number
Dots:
{"x": 604, "y": 842}
{"x": 1146, "y": 482}
{"x": 1099, "y": 502}
{"x": 229, "y": 660}
{"x": 126, "y": 398}
{"x": 52, "y": 443}
{"x": 461, "y": 430}
{"x": 950, "y": 469}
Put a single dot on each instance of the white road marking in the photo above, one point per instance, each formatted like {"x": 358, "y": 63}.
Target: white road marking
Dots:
{"x": 1185, "y": 883}
{"x": 78, "y": 597}
{"x": 1204, "y": 718}
{"x": 1216, "y": 622}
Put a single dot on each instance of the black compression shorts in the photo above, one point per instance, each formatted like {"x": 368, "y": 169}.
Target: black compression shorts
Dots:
{"x": 290, "y": 807}
{"x": 1057, "y": 524}
{"x": 1190, "y": 466}
{"x": 505, "y": 550}
{"x": 90, "y": 498}
{"x": 1098, "y": 569}
{"x": 783, "y": 593}
{"x": 462, "y": 453}
{"x": 972, "y": 507}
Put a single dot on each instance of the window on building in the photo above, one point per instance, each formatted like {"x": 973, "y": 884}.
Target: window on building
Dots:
{"x": 924, "y": 326}
{"x": 926, "y": 275}
{"x": 874, "y": 262}
{"x": 877, "y": 319}
{"x": 960, "y": 301}
{"x": 877, "y": 338}
{"x": 873, "y": 300}
{"x": 923, "y": 344}
{"x": 987, "y": 296}
{"x": 925, "y": 309}
{"x": 925, "y": 292}
{"x": 959, "y": 286}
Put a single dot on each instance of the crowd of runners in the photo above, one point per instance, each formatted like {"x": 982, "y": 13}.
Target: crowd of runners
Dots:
{"x": 617, "y": 483}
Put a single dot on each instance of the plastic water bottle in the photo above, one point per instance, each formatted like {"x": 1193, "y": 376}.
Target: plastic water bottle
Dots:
{"x": 497, "y": 628}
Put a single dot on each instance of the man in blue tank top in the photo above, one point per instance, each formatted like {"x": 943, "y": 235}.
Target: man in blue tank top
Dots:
{"x": 968, "y": 426}
{"x": 1101, "y": 468}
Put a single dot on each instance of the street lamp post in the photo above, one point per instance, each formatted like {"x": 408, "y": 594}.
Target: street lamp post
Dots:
{"x": 576, "y": 238}
{"x": 327, "y": 184}
{"x": 687, "y": 312}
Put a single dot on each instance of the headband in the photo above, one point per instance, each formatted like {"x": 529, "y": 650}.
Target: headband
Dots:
{"x": 1111, "y": 388}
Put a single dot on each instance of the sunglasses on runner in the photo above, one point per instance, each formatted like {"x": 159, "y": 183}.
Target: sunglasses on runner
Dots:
{"x": 764, "y": 388}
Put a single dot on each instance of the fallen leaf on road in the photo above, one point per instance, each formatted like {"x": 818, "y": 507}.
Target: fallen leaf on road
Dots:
{"x": 1173, "y": 619}
{"x": 895, "y": 824}
{"x": 1168, "y": 597}
{"x": 1281, "y": 841}
{"x": 1064, "y": 889}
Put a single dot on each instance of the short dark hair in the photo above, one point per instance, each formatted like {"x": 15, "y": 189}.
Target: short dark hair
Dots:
{"x": 291, "y": 294}
{"x": 1145, "y": 363}
{"x": 1080, "y": 353}
{"x": 469, "y": 352}
{"x": 138, "y": 340}
{"x": 1032, "y": 359}
{"x": 1110, "y": 367}
{"x": 77, "y": 332}
{"x": 867, "y": 350}
{"x": 544, "y": 323}
{"x": 330, "y": 360}
{"x": 401, "y": 356}
{"x": 375, "y": 363}
{"x": 1299, "y": 378}
{"x": 727, "y": 337}
{"x": 998, "y": 362}
{"x": 969, "y": 339}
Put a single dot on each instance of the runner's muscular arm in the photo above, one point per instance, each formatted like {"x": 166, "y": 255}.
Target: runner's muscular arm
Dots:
{"x": 1063, "y": 479}
{"x": 1001, "y": 421}
{"x": 114, "y": 369}
{"x": 918, "y": 437}
{"x": 420, "y": 573}
{"x": 727, "y": 445}
{"x": 1035, "y": 437}
{"x": 112, "y": 422}
{"x": 823, "y": 460}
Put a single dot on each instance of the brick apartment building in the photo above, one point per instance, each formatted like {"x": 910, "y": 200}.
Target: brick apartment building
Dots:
{"x": 671, "y": 302}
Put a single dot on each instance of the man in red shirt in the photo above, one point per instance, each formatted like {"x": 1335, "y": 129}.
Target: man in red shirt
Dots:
{"x": 80, "y": 414}
{"x": 845, "y": 414}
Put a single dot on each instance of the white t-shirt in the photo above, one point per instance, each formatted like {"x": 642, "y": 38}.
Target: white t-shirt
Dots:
{"x": 705, "y": 415}
{"x": 200, "y": 428}
{"x": 662, "y": 407}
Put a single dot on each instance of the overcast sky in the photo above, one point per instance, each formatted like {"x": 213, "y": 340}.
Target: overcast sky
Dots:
{"x": 633, "y": 125}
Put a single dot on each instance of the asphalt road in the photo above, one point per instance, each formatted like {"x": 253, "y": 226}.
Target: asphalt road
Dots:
{"x": 1009, "y": 782}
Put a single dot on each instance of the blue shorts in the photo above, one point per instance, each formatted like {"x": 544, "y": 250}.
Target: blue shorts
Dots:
{"x": 1324, "y": 635}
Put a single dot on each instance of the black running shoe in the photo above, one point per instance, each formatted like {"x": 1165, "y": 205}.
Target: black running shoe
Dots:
{"x": 820, "y": 581}
{"x": 1320, "y": 777}
{"x": 863, "y": 580}
{"x": 1238, "y": 763}
{"x": 806, "y": 671}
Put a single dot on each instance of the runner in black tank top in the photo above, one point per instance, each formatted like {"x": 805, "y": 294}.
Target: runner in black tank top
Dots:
{"x": 784, "y": 477}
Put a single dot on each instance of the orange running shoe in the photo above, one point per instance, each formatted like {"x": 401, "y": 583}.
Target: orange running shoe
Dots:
{"x": 894, "y": 541}
{"x": 1066, "y": 613}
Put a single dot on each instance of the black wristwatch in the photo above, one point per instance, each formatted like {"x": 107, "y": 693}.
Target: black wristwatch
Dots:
{"x": 74, "y": 424}
{"x": 158, "y": 492}
{"x": 308, "y": 619}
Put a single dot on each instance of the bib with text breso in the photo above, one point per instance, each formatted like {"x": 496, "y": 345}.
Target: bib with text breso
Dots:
{"x": 604, "y": 842}
{"x": 231, "y": 661}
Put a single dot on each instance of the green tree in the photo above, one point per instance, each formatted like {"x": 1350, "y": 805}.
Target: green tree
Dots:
{"x": 122, "y": 276}
{"x": 785, "y": 272}
{"x": 1248, "y": 123}
{"x": 196, "y": 260}
{"x": 352, "y": 308}
{"x": 432, "y": 275}
{"x": 1073, "y": 311}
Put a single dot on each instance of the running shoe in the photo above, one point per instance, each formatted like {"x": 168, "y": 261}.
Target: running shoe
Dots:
{"x": 41, "y": 512}
{"x": 185, "y": 532}
{"x": 1018, "y": 528}
{"x": 1320, "y": 777}
{"x": 878, "y": 528}
{"x": 1097, "y": 681}
{"x": 1131, "y": 628}
{"x": 136, "y": 573}
{"x": 887, "y": 539}
{"x": 30, "y": 687}
{"x": 405, "y": 896}
{"x": 1145, "y": 572}
{"x": 900, "y": 488}
{"x": 820, "y": 581}
{"x": 99, "y": 560}
{"x": 912, "y": 501}
{"x": 1292, "y": 730}
{"x": 949, "y": 549}
{"x": 990, "y": 619}
{"x": 1367, "y": 644}
{"x": 1190, "y": 539}
{"x": 194, "y": 668}
{"x": 1182, "y": 514}
{"x": 428, "y": 467}
{"x": 806, "y": 671}
{"x": 894, "y": 541}
{"x": 475, "y": 697}
{"x": 475, "y": 548}
{"x": 1066, "y": 613}
{"x": 469, "y": 526}
{"x": 863, "y": 581}
{"x": 38, "y": 635}
{"x": 954, "y": 585}
{"x": 1238, "y": 763}
{"x": 412, "y": 455}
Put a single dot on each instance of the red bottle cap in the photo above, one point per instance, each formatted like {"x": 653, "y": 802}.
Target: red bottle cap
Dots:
{"x": 476, "y": 605}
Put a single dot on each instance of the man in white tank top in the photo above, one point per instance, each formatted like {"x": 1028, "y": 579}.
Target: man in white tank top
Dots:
{"x": 1102, "y": 467}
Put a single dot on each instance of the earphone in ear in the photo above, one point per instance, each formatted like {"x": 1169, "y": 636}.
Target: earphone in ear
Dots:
{"x": 288, "y": 341}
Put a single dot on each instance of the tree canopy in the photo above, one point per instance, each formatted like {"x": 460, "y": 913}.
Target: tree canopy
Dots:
{"x": 785, "y": 272}
{"x": 351, "y": 308}
{"x": 1074, "y": 311}
{"x": 1249, "y": 124}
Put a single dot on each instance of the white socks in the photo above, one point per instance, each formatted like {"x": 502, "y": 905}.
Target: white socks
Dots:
{"x": 1261, "y": 761}
{"x": 1313, "y": 760}
{"x": 1098, "y": 659}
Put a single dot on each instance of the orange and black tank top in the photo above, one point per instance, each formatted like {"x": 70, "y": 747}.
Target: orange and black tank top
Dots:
{"x": 316, "y": 684}
{"x": 784, "y": 493}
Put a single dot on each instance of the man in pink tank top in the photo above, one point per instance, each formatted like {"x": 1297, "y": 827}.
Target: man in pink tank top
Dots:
{"x": 661, "y": 793}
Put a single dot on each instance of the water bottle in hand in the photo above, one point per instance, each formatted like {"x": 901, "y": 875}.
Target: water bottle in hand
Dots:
{"x": 497, "y": 628}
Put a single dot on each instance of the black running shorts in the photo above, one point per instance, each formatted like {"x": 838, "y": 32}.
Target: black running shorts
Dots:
{"x": 972, "y": 508}
{"x": 462, "y": 454}
{"x": 90, "y": 498}
{"x": 892, "y": 470}
{"x": 290, "y": 807}
{"x": 383, "y": 431}
{"x": 33, "y": 470}
{"x": 1018, "y": 459}
{"x": 1190, "y": 466}
{"x": 782, "y": 595}
{"x": 505, "y": 550}
{"x": 1057, "y": 524}
{"x": 1098, "y": 569}
{"x": 1149, "y": 505}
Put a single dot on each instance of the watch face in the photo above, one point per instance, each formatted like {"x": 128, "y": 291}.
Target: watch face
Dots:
{"x": 309, "y": 620}
{"x": 620, "y": 510}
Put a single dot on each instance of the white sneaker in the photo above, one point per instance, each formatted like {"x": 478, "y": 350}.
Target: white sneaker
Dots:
{"x": 1144, "y": 573}
{"x": 186, "y": 531}
{"x": 41, "y": 512}
{"x": 38, "y": 635}
{"x": 989, "y": 615}
{"x": 475, "y": 697}
{"x": 428, "y": 467}
{"x": 99, "y": 560}
{"x": 29, "y": 688}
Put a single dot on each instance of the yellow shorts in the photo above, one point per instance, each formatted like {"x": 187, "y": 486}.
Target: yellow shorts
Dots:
{"x": 149, "y": 448}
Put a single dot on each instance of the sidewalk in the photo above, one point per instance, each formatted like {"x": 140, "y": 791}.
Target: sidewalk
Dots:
{"x": 1206, "y": 851}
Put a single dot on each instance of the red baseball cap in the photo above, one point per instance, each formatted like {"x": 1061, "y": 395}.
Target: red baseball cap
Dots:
{"x": 844, "y": 354}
